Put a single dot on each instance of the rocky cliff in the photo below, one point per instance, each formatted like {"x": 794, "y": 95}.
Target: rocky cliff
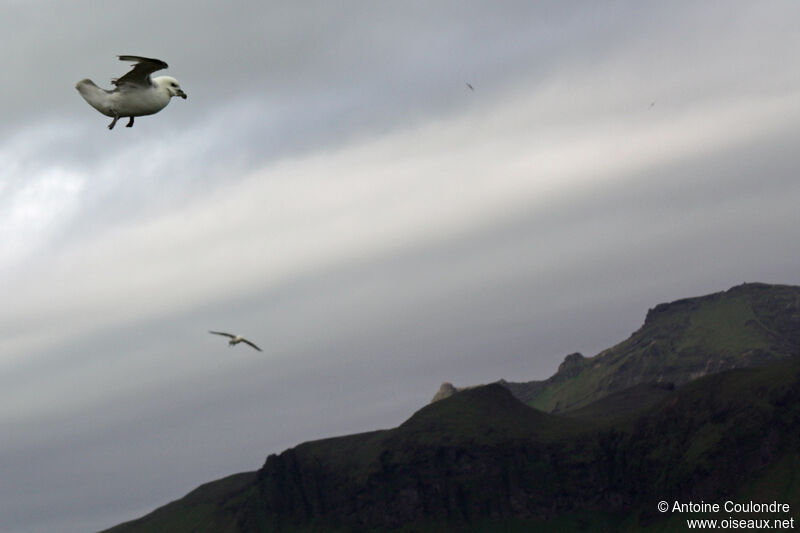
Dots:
{"x": 481, "y": 459}
{"x": 749, "y": 325}
{"x": 701, "y": 403}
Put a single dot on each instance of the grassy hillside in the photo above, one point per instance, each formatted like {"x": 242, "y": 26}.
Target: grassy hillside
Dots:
{"x": 203, "y": 509}
{"x": 748, "y": 325}
{"x": 481, "y": 460}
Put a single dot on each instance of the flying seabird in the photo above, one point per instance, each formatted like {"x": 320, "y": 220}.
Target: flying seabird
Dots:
{"x": 471, "y": 88}
{"x": 136, "y": 93}
{"x": 235, "y": 339}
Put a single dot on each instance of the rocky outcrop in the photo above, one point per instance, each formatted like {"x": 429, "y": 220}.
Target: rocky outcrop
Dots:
{"x": 445, "y": 391}
{"x": 572, "y": 365}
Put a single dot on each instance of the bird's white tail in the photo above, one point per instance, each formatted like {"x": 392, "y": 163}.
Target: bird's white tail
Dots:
{"x": 94, "y": 95}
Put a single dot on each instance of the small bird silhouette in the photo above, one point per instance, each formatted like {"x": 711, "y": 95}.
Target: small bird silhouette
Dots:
{"x": 235, "y": 339}
{"x": 471, "y": 88}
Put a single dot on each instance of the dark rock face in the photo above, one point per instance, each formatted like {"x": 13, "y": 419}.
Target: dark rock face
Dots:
{"x": 667, "y": 453}
{"x": 705, "y": 441}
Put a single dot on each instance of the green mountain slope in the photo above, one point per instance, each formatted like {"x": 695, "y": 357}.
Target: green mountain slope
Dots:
{"x": 203, "y": 509}
{"x": 451, "y": 466}
{"x": 482, "y": 460}
{"x": 748, "y": 325}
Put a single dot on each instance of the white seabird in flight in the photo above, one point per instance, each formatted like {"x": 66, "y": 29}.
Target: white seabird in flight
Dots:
{"x": 136, "y": 93}
{"x": 235, "y": 339}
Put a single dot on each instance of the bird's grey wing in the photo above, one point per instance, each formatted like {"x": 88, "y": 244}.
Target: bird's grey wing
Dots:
{"x": 251, "y": 344}
{"x": 223, "y": 334}
{"x": 139, "y": 75}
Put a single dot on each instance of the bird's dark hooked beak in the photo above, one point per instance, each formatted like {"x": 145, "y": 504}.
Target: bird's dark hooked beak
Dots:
{"x": 181, "y": 94}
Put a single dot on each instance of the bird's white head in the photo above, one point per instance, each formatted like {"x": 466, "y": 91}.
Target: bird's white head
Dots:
{"x": 171, "y": 85}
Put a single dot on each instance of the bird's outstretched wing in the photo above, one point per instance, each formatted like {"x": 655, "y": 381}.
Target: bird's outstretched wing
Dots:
{"x": 223, "y": 334}
{"x": 139, "y": 75}
{"x": 251, "y": 344}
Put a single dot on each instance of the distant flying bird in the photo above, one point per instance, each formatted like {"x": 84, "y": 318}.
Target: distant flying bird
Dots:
{"x": 652, "y": 104}
{"x": 136, "y": 93}
{"x": 235, "y": 339}
{"x": 470, "y": 87}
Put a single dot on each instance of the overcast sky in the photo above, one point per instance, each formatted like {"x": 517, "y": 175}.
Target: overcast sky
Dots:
{"x": 332, "y": 190}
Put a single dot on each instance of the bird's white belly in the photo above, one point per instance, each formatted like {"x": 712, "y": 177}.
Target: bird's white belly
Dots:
{"x": 138, "y": 103}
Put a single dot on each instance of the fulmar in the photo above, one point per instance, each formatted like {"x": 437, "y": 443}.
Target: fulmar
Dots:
{"x": 136, "y": 93}
{"x": 235, "y": 339}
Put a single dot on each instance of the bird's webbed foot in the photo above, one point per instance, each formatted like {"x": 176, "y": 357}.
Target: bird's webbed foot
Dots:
{"x": 130, "y": 123}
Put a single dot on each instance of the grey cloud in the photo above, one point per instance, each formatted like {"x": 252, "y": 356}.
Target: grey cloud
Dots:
{"x": 332, "y": 190}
